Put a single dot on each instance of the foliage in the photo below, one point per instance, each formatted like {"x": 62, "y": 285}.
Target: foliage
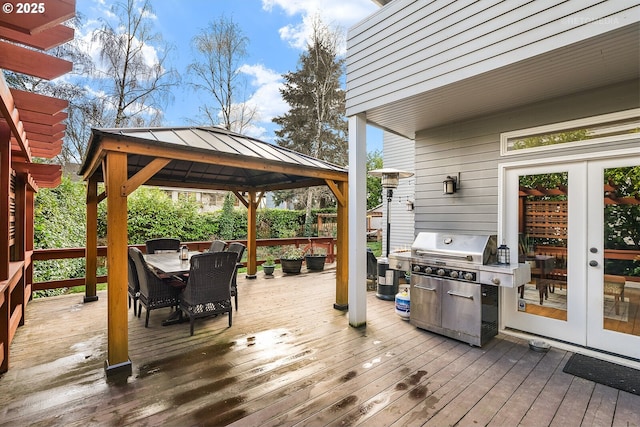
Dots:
{"x": 292, "y": 252}
{"x": 374, "y": 184}
{"x": 622, "y": 221}
{"x": 153, "y": 214}
{"x": 56, "y": 212}
{"x": 269, "y": 261}
{"x": 136, "y": 90}
{"x": 226, "y": 220}
{"x": 220, "y": 49}
{"x": 551, "y": 139}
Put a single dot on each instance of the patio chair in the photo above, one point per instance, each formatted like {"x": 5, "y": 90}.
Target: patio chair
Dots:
{"x": 163, "y": 244}
{"x": 372, "y": 265}
{"x": 218, "y": 246}
{"x": 208, "y": 289}
{"x": 239, "y": 249}
{"x": 133, "y": 285}
{"x": 154, "y": 291}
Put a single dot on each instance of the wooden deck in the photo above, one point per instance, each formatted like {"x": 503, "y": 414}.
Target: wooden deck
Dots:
{"x": 289, "y": 359}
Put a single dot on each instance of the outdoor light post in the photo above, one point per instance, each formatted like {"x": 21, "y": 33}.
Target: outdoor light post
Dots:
{"x": 390, "y": 178}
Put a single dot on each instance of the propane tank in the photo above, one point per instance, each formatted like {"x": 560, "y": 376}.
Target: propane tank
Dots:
{"x": 402, "y": 304}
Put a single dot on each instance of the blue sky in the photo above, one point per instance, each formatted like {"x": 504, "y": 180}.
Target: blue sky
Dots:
{"x": 277, "y": 32}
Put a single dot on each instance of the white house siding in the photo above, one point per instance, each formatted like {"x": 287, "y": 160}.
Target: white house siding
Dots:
{"x": 472, "y": 148}
{"x": 411, "y": 47}
{"x": 399, "y": 153}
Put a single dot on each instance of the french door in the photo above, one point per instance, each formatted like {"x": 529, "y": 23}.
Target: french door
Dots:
{"x": 613, "y": 267}
{"x": 577, "y": 225}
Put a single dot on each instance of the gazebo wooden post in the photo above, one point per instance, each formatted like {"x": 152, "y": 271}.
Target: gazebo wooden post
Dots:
{"x": 252, "y": 207}
{"x": 342, "y": 237}
{"x": 91, "y": 250}
{"x": 117, "y": 362}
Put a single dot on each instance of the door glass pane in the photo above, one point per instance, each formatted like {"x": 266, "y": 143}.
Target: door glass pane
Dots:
{"x": 621, "y": 285}
{"x": 542, "y": 229}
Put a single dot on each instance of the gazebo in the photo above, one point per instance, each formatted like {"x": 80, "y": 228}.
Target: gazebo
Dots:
{"x": 195, "y": 158}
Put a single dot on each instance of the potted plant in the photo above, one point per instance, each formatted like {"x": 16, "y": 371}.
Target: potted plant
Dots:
{"x": 291, "y": 260}
{"x": 526, "y": 249}
{"x": 315, "y": 261}
{"x": 269, "y": 266}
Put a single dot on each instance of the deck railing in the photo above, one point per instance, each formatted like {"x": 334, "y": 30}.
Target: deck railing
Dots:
{"x": 327, "y": 244}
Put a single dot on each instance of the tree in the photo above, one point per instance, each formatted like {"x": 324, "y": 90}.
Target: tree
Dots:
{"x": 315, "y": 123}
{"x": 135, "y": 66}
{"x": 220, "y": 48}
{"x": 374, "y": 185}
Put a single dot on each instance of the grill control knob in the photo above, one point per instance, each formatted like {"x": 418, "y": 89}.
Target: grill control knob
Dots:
{"x": 428, "y": 270}
{"x": 416, "y": 268}
{"x": 440, "y": 272}
{"x": 468, "y": 276}
{"x": 454, "y": 274}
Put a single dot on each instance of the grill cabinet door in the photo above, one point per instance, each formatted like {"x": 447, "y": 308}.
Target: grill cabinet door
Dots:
{"x": 425, "y": 302}
{"x": 461, "y": 310}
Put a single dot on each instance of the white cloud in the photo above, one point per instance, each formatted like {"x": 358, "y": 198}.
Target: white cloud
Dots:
{"x": 335, "y": 13}
{"x": 266, "y": 97}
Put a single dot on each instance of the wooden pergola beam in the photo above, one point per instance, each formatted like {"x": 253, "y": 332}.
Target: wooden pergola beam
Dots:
{"x": 44, "y": 40}
{"x": 47, "y": 15}
{"x": 32, "y": 62}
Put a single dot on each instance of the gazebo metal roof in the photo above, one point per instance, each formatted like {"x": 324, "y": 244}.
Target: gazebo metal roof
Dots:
{"x": 209, "y": 157}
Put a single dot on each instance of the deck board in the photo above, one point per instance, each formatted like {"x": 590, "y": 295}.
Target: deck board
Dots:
{"x": 289, "y": 359}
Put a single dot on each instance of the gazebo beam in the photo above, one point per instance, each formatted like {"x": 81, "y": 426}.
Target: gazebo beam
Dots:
{"x": 143, "y": 176}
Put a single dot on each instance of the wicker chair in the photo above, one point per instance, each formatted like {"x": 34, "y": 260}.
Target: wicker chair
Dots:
{"x": 154, "y": 292}
{"x": 208, "y": 289}
{"x": 217, "y": 246}
{"x": 133, "y": 285}
{"x": 239, "y": 249}
{"x": 164, "y": 244}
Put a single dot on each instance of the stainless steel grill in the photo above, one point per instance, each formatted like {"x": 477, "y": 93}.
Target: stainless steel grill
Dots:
{"x": 447, "y": 293}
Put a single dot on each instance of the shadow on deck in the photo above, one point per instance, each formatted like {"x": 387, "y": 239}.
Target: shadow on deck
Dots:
{"x": 288, "y": 359}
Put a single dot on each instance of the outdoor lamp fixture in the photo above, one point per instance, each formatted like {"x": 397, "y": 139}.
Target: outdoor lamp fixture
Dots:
{"x": 390, "y": 179}
{"x": 450, "y": 185}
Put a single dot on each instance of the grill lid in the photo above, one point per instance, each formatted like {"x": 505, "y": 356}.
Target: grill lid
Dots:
{"x": 470, "y": 248}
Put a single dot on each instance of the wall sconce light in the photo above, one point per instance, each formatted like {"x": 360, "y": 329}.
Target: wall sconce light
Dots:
{"x": 450, "y": 185}
{"x": 409, "y": 205}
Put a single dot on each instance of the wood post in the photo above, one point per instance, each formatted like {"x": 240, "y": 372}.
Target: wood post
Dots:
{"x": 252, "y": 266}
{"x": 117, "y": 362}
{"x": 91, "y": 250}
{"x": 342, "y": 263}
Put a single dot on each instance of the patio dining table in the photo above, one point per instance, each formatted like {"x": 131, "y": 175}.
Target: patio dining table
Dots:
{"x": 169, "y": 263}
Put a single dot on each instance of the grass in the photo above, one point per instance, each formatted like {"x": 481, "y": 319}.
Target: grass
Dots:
{"x": 376, "y": 248}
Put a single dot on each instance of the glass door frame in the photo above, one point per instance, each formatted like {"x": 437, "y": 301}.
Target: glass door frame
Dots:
{"x": 597, "y": 336}
{"x": 574, "y": 329}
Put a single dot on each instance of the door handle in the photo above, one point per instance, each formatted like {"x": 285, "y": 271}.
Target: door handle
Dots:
{"x": 593, "y": 263}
